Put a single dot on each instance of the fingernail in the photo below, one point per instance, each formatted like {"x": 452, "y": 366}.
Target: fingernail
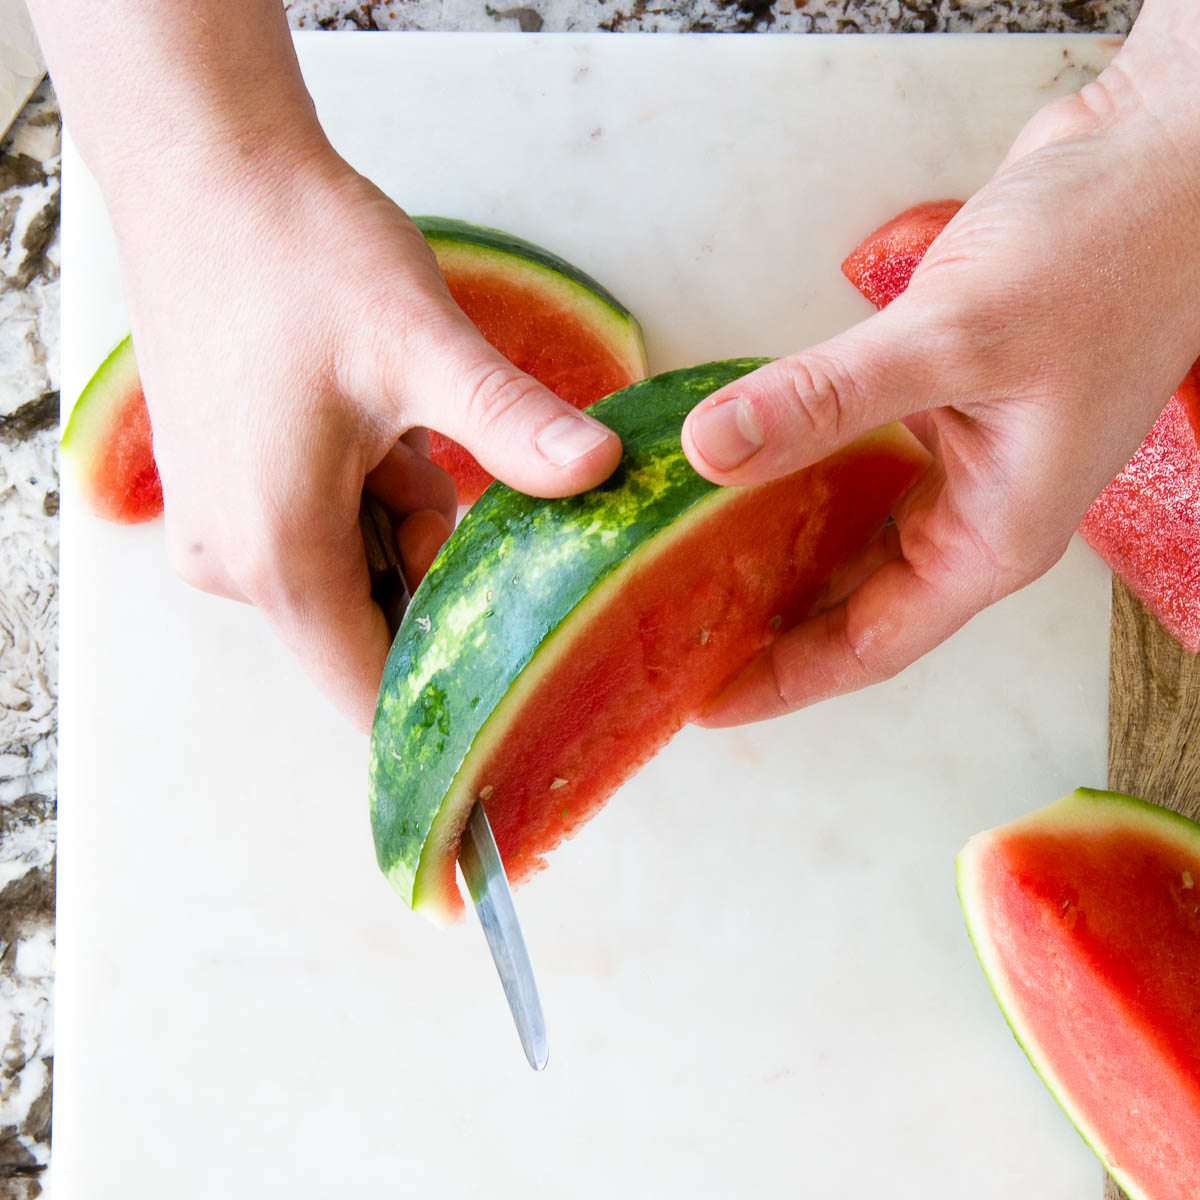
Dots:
{"x": 567, "y": 439}
{"x": 726, "y": 434}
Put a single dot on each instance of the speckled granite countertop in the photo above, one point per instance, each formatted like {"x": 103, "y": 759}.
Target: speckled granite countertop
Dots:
{"x": 29, "y": 400}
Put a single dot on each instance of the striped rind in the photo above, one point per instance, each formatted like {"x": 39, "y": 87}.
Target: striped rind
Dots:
{"x": 91, "y": 420}
{"x": 1087, "y": 810}
{"x": 513, "y": 572}
{"x": 460, "y": 243}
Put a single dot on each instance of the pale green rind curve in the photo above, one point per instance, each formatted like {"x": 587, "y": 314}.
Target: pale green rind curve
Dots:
{"x": 513, "y": 571}
{"x": 1065, "y": 813}
{"x": 93, "y": 411}
{"x": 498, "y": 242}
{"x": 455, "y": 242}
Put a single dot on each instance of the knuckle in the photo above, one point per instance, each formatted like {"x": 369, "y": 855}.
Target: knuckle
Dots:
{"x": 491, "y": 392}
{"x": 819, "y": 393}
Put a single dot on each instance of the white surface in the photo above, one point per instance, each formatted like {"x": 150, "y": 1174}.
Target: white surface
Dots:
{"x": 21, "y": 65}
{"x": 752, "y": 962}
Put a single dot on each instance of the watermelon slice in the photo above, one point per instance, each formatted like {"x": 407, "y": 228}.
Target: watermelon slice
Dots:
{"x": 1146, "y": 523}
{"x": 553, "y": 321}
{"x": 108, "y": 440}
{"x": 882, "y": 266}
{"x": 556, "y": 645}
{"x": 545, "y": 316}
{"x": 1086, "y": 918}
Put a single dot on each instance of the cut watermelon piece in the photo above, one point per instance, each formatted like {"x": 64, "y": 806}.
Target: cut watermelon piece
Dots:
{"x": 556, "y": 645}
{"x": 1086, "y": 918}
{"x": 1146, "y": 523}
{"x": 545, "y": 316}
{"x": 108, "y": 441}
{"x": 882, "y": 266}
{"x": 551, "y": 320}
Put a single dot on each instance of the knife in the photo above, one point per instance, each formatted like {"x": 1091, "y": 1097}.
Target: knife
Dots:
{"x": 478, "y": 856}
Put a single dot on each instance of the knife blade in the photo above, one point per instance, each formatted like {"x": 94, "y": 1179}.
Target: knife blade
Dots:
{"x": 478, "y": 856}
{"x": 479, "y": 859}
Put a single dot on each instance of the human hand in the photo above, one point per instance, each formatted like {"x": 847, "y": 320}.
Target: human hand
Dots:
{"x": 1042, "y": 334}
{"x": 293, "y": 333}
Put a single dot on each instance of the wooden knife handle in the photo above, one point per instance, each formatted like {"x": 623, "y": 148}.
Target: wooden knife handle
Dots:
{"x": 389, "y": 588}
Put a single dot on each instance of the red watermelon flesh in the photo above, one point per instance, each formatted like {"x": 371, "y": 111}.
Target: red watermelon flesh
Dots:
{"x": 656, "y": 654}
{"x": 1146, "y": 523}
{"x": 550, "y": 319}
{"x": 560, "y": 348}
{"x": 108, "y": 438}
{"x": 1086, "y": 919}
{"x": 882, "y": 266}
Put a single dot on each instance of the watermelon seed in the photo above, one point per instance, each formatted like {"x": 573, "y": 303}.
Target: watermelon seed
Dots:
{"x": 775, "y": 622}
{"x": 559, "y": 781}
{"x": 704, "y": 636}
{"x": 486, "y": 791}
{"x": 1187, "y": 879}
{"x": 564, "y": 812}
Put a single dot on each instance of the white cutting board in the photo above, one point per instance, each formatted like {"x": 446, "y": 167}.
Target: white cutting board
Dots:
{"x": 753, "y": 966}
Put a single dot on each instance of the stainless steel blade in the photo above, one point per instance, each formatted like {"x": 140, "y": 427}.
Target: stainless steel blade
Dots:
{"x": 478, "y": 856}
{"x": 486, "y": 881}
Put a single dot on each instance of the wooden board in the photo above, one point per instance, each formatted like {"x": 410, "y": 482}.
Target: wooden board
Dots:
{"x": 1153, "y": 720}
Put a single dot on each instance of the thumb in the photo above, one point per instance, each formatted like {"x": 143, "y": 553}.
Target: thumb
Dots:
{"x": 797, "y": 410}
{"x": 519, "y": 430}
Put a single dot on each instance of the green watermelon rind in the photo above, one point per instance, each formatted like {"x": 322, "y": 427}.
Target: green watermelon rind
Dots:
{"x": 99, "y": 403}
{"x": 445, "y": 698}
{"x": 1082, "y": 808}
{"x": 454, "y": 240}
{"x": 486, "y": 588}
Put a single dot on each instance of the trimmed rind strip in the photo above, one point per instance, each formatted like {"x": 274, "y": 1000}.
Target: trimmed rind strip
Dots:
{"x": 1083, "y": 812}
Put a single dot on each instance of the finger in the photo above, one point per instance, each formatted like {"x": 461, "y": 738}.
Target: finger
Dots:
{"x": 889, "y": 622}
{"x": 314, "y": 588}
{"x": 883, "y": 548}
{"x": 518, "y": 430}
{"x": 797, "y": 410}
{"x": 418, "y": 541}
{"x": 900, "y": 611}
{"x": 406, "y": 481}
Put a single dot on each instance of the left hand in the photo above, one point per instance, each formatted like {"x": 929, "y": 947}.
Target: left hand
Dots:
{"x": 1037, "y": 342}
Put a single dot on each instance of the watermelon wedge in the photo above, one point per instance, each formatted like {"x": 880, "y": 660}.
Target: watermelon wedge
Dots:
{"x": 108, "y": 441}
{"x": 882, "y": 266}
{"x": 544, "y": 315}
{"x": 1086, "y": 919}
{"x": 550, "y": 319}
{"x": 556, "y": 645}
{"x": 1146, "y": 523}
